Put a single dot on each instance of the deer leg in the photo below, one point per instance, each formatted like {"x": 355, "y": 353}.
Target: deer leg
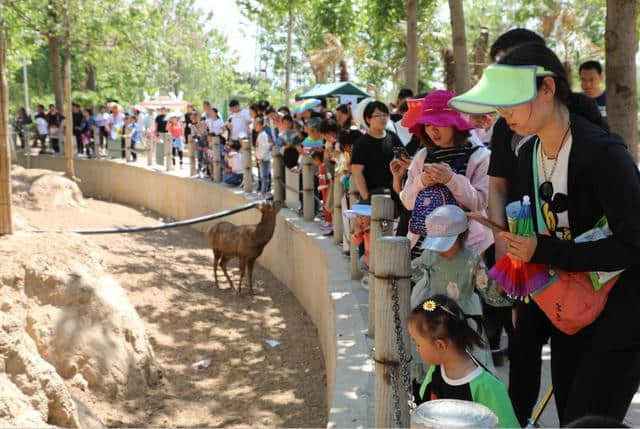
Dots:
{"x": 216, "y": 260}
{"x": 223, "y": 264}
{"x": 243, "y": 264}
{"x": 250, "y": 270}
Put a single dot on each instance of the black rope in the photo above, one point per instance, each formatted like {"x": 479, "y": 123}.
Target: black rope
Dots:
{"x": 176, "y": 224}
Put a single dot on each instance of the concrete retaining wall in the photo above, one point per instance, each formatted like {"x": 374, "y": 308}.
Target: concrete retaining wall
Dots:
{"x": 298, "y": 255}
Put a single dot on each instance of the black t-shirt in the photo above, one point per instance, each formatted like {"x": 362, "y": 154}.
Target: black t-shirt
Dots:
{"x": 503, "y": 162}
{"x": 375, "y": 154}
{"x": 161, "y": 124}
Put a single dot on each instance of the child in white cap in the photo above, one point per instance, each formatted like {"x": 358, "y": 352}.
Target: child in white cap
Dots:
{"x": 447, "y": 267}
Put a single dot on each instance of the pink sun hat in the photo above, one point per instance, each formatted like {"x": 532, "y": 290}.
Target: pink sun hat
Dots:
{"x": 436, "y": 112}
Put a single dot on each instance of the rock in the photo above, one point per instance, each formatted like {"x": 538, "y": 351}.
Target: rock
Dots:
{"x": 86, "y": 326}
{"x": 32, "y": 394}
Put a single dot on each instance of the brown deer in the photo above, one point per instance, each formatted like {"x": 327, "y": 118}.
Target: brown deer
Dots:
{"x": 245, "y": 242}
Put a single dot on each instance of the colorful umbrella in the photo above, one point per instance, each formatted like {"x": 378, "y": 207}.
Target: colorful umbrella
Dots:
{"x": 303, "y": 105}
{"x": 519, "y": 279}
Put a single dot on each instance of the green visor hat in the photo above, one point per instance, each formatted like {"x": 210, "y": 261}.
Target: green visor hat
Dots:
{"x": 501, "y": 86}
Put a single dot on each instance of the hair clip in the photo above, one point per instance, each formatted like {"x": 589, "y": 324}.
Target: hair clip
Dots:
{"x": 429, "y": 305}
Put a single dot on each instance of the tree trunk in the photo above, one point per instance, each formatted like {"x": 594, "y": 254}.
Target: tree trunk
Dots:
{"x": 449, "y": 68}
{"x": 91, "y": 78}
{"x": 344, "y": 71}
{"x": 621, "y": 43}
{"x": 412, "y": 46}
{"x": 480, "y": 53}
{"x": 6, "y": 226}
{"x": 56, "y": 76}
{"x": 459, "y": 46}
{"x": 287, "y": 78}
{"x": 68, "y": 117}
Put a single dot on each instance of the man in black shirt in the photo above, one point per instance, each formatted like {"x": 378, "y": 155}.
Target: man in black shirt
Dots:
{"x": 161, "y": 122}
{"x": 373, "y": 152}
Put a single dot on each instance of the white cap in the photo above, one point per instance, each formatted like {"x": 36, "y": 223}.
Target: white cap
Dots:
{"x": 444, "y": 225}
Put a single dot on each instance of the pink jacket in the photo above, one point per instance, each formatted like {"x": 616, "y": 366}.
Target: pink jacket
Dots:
{"x": 471, "y": 191}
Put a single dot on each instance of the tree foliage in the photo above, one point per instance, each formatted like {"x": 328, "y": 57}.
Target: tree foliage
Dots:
{"x": 125, "y": 48}
{"x": 121, "y": 49}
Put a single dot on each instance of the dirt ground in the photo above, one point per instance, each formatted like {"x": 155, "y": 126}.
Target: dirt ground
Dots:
{"x": 169, "y": 279}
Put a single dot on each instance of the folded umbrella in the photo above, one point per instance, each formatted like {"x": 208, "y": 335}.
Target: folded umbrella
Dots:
{"x": 519, "y": 279}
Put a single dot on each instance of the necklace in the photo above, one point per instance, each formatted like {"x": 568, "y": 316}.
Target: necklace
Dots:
{"x": 548, "y": 178}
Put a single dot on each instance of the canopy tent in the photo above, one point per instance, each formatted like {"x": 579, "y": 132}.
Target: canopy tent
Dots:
{"x": 169, "y": 103}
{"x": 337, "y": 89}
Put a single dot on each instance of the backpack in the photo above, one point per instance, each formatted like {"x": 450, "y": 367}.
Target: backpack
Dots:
{"x": 438, "y": 195}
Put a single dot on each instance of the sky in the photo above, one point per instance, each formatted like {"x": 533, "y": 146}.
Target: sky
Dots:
{"x": 240, "y": 33}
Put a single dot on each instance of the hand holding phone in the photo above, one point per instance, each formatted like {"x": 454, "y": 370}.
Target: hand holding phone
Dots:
{"x": 400, "y": 152}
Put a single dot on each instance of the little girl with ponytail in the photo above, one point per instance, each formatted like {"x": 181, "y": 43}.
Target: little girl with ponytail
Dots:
{"x": 443, "y": 338}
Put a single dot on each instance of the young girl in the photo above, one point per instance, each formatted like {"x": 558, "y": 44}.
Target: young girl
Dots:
{"x": 443, "y": 337}
{"x": 456, "y": 165}
{"x": 176, "y": 129}
{"x": 263, "y": 156}
{"x": 450, "y": 268}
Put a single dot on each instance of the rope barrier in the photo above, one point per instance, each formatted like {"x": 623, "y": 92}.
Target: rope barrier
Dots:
{"x": 176, "y": 224}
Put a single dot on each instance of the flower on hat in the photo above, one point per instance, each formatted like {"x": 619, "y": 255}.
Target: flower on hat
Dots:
{"x": 429, "y": 305}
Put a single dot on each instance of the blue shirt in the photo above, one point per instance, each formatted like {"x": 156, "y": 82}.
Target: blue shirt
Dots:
{"x": 136, "y": 132}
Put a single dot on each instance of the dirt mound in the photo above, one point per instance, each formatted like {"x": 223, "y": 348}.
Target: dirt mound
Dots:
{"x": 43, "y": 189}
{"x": 32, "y": 394}
{"x": 77, "y": 318}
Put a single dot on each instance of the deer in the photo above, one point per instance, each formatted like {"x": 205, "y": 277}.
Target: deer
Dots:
{"x": 246, "y": 242}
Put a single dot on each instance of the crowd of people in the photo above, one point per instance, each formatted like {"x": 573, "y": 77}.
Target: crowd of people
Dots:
{"x": 476, "y": 152}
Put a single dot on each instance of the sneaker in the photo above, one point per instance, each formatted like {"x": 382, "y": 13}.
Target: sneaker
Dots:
{"x": 326, "y": 225}
{"x": 364, "y": 282}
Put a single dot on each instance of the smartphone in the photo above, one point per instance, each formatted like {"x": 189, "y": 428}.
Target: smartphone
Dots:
{"x": 400, "y": 152}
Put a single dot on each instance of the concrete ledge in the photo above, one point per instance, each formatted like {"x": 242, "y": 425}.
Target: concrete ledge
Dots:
{"x": 298, "y": 255}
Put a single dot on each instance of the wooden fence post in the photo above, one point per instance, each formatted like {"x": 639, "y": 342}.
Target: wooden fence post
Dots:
{"x": 393, "y": 264}
{"x": 353, "y": 248}
{"x": 192, "y": 155}
{"x": 337, "y": 209}
{"x": 6, "y": 225}
{"x": 96, "y": 141}
{"x": 127, "y": 149}
{"x": 247, "y": 177}
{"x": 151, "y": 149}
{"x": 277, "y": 165}
{"x": 168, "y": 144}
{"x": 27, "y": 147}
{"x": 292, "y": 181}
{"x": 308, "y": 203}
{"x": 216, "y": 163}
{"x": 382, "y": 209}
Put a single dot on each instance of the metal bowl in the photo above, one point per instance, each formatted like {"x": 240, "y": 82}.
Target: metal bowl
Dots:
{"x": 453, "y": 413}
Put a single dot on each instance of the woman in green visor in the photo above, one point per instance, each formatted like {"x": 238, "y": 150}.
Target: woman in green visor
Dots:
{"x": 576, "y": 174}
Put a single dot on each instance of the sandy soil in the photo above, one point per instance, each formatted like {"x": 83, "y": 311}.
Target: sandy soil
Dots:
{"x": 168, "y": 277}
